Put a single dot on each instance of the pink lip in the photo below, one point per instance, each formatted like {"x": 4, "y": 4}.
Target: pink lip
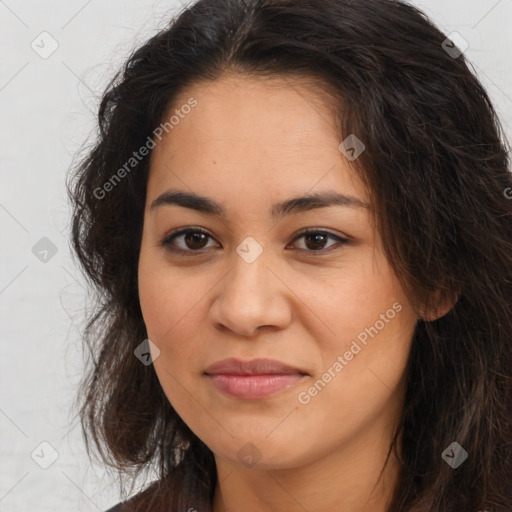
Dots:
{"x": 253, "y": 379}
{"x": 253, "y": 367}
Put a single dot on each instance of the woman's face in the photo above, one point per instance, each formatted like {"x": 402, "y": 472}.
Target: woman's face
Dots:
{"x": 244, "y": 284}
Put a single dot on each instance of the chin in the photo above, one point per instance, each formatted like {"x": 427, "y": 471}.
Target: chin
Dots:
{"x": 261, "y": 452}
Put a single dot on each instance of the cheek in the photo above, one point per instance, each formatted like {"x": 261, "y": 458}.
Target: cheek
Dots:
{"x": 167, "y": 304}
{"x": 350, "y": 300}
{"x": 154, "y": 302}
{"x": 371, "y": 326}
{"x": 172, "y": 306}
{"x": 360, "y": 383}
{"x": 165, "y": 297}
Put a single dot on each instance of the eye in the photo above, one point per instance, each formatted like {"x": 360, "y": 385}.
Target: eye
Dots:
{"x": 194, "y": 240}
{"x": 316, "y": 239}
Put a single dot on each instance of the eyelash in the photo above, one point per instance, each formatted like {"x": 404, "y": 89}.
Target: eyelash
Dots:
{"x": 166, "y": 242}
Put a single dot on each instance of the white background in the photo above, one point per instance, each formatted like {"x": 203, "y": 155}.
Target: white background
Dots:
{"x": 48, "y": 110}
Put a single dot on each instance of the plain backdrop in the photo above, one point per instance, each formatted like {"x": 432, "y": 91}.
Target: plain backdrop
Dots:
{"x": 56, "y": 58}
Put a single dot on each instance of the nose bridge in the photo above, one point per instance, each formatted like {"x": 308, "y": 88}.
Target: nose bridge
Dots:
{"x": 250, "y": 277}
{"x": 250, "y": 296}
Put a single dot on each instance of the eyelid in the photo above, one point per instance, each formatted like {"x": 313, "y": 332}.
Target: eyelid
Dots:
{"x": 165, "y": 242}
{"x": 343, "y": 240}
{"x": 326, "y": 231}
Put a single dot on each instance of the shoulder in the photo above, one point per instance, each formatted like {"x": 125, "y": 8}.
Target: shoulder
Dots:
{"x": 155, "y": 498}
{"x": 128, "y": 505}
{"x": 142, "y": 499}
{"x": 116, "y": 508}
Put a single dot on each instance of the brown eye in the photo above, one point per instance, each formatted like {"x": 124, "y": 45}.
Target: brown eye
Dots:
{"x": 192, "y": 240}
{"x": 195, "y": 240}
{"x": 315, "y": 240}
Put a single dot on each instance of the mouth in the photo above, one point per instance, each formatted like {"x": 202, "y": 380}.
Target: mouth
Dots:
{"x": 255, "y": 379}
{"x": 253, "y": 367}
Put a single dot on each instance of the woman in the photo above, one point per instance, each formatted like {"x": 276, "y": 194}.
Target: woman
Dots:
{"x": 297, "y": 220}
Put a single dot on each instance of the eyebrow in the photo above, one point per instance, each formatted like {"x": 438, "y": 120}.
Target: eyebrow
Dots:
{"x": 298, "y": 204}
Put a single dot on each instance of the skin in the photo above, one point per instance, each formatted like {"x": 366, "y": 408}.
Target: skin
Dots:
{"x": 250, "y": 143}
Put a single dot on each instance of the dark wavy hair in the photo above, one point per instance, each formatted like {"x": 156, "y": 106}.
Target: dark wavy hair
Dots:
{"x": 437, "y": 167}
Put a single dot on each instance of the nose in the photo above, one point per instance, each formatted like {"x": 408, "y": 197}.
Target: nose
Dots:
{"x": 251, "y": 296}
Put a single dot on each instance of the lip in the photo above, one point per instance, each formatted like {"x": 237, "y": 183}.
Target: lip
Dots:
{"x": 254, "y": 379}
{"x": 258, "y": 366}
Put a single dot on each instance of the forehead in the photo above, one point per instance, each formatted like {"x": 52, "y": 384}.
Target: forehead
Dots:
{"x": 253, "y": 133}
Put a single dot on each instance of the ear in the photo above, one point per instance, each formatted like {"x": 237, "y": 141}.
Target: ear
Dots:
{"x": 438, "y": 304}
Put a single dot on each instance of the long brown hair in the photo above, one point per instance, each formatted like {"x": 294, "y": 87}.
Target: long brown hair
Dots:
{"x": 436, "y": 165}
